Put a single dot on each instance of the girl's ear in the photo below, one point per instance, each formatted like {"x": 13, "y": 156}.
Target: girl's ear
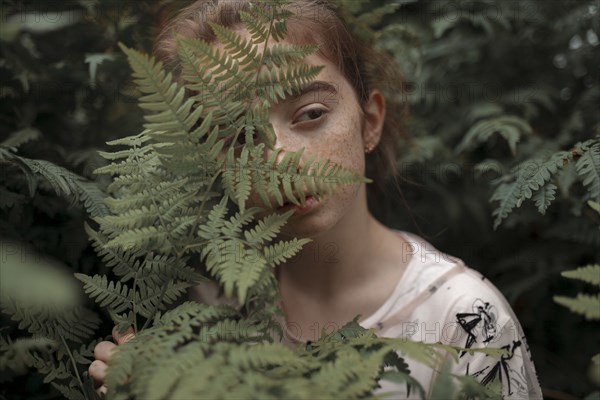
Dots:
{"x": 374, "y": 117}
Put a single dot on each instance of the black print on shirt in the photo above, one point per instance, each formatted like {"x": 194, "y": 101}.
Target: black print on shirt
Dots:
{"x": 478, "y": 324}
{"x": 513, "y": 380}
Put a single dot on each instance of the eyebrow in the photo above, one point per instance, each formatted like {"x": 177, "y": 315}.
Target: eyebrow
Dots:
{"x": 315, "y": 86}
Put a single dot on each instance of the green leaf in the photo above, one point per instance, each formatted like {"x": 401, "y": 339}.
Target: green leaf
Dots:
{"x": 589, "y": 274}
{"x": 588, "y": 168}
{"x": 586, "y": 305}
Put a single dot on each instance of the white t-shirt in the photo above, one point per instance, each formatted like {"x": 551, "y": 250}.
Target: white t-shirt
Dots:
{"x": 439, "y": 299}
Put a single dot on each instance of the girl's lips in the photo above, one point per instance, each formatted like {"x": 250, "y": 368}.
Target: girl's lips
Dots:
{"x": 309, "y": 203}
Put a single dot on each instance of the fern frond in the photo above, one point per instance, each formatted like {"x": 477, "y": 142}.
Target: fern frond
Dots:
{"x": 282, "y": 250}
{"x": 257, "y": 29}
{"x": 149, "y": 299}
{"x": 262, "y": 356}
{"x": 237, "y": 180}
{"x": 160, "y": 268}
{"x": 313, "y": 177}
{"x": 148, "y": 237}
{"x": 523, "y": 180}
{"x": 232, "y": 228}
{"x": 282, "y": 54}
{"x": 196, "y": 314}
{"x": 544, "y": 196}
{"x": 163, "y": 377}
{"x": 510, "y": 127}
{"x": 214, "y": 221}
{"x": 275, "y": 82}
{"x": 594, "y": 206}
{"x": 231, "y": 265}
{"x": 267, "y": 228}
{"x": 588, "y": 168}
{"x": 164, "y": 96}
{"x": 216, "y": 64}
{"x": 249, "y": 273}
{"x": 160, "y": 192}
{"x": 76, "y": 323}
{"x": 20, "y": 137}
{"x": 141, "y": 165}
{"x": 237, "y": 47}
{"x": 123, "y": 263}
{"x": 64, "y": 183}
{"x": 131, "y": 219}
{"x": 113, "y": 295}
{"x": 69, "y": 392}
{"x": 17, "y": 355}
{"x": 588, "y": 273}
{"x": 584, "y": 304}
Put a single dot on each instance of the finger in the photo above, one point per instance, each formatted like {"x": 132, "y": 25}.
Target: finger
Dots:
{"x": 124, "y": 337}
{"x": 102, "y": 390}
{"x": 104, "y": 350}
{"x": 97, "y": 371}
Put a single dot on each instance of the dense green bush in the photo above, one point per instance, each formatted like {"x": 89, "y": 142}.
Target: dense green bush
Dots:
{"x": 503, "y": 103}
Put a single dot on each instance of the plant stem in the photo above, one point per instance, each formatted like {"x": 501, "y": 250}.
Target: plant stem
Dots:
{"x": 74, "y": 364}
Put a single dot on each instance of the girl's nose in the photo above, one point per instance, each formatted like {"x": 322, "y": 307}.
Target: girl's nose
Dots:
{"x": 282, "y": 142}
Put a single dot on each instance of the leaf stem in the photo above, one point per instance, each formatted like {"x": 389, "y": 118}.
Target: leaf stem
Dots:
{"x": 74, "y": 364}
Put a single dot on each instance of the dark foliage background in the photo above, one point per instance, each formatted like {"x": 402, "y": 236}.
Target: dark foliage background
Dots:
{"x": 63, "y": 79}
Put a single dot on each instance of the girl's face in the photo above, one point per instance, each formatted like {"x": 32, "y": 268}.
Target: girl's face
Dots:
{"x": 326, "y": 119}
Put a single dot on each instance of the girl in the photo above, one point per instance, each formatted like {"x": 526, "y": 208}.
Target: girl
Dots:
{"x": 397, "y": 282}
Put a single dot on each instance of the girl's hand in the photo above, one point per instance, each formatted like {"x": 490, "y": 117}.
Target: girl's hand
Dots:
{"x": 102, "y": 353}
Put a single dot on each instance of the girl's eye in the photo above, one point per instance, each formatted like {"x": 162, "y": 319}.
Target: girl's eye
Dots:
{"x": 310, "y": 115}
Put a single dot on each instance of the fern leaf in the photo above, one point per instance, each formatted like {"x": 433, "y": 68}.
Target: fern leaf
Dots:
{"x": 160, "y": 268}
{"x": 64, "y": 183}
{"x": 107, "y": 294}
{"x": 237, "y": 47}
{"x": 70, "y": 393}
{"x": 221, "y": 65}
{"x": 17, "y": 354}
{"x": 165, "y": 96}
{"x": 267, "y": 228}
{"x": 258, "y": 31}
{"x": 21, "y": 137}
{"x": 281, "y": 251}
{"x": 262, "y": 356}
{"x": 123, "y": 263}
{"x": 586, "y": 305}
{"x": 233, "y": 227}
{"x": 249, "y": 272}
{"x": 196, "y": 314}
{"x": 510, "y": 127}
{"x": 149, "y": 237}
{"x": 588, "y": 168}
{"x": 214, "y": 221}
{"x": 282, "y": 54}
{"x": 594, "y": 206}
{"x": 544, "y": 196}
{"x": 148, "y": 299}
{"x": 589, "y": 274}
{"x": 523, "y": 181}
{"x": 237, "y": 180}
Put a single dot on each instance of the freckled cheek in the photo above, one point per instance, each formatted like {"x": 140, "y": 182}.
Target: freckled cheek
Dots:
{"x": 343, "y": 145}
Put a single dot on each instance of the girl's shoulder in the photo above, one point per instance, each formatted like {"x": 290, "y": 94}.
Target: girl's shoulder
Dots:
{"x": 440, "y": 299}
{"x": 439, "y": 290}
{"x": 435, "y": 284}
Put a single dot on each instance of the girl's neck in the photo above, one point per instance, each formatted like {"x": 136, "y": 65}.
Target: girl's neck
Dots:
{"x": 352, "y": 270}
{"x": 332, "y": 262}
{"x": 336, "y": 264}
